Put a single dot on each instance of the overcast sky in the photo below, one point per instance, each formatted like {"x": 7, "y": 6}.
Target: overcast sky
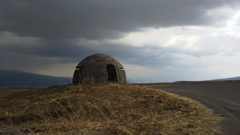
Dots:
{"x": 155, "y": 40}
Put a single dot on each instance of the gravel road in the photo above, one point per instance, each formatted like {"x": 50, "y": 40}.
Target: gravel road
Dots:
{"x": 222, "y": 96}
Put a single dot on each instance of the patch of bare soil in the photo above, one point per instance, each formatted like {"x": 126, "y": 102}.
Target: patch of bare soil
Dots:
{"x": 103, "y": 109}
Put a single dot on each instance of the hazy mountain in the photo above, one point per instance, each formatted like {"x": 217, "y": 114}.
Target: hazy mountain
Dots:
{"x": 233, "y": 78}
{"x": 17, "y": 79}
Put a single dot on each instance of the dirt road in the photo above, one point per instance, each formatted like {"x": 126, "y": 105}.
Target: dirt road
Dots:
{"x": 223, "y": 97}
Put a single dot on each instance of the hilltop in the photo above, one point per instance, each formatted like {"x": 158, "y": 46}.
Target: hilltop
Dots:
{"x": 103, "y": 109}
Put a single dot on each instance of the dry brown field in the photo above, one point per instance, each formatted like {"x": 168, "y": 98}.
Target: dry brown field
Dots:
{"x": 103, "y": 109}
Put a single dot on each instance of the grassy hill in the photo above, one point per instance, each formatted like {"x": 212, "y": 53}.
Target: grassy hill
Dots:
{"x": 102, "y": 110}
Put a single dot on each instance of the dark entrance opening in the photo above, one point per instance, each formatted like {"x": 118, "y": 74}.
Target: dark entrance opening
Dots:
{"x": 112, "y": 74}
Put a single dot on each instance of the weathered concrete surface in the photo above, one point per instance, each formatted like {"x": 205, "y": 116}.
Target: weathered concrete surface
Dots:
{"x": 100, "y": 68}
{"x": 222, "y": 96}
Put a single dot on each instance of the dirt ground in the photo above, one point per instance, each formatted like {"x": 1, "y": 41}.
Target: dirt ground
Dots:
{"x": 221, "y": 96}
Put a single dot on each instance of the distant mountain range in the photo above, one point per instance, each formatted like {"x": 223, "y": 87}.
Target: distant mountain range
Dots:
{"x": 18, "y": 79}
{"x": 229, "y": 79}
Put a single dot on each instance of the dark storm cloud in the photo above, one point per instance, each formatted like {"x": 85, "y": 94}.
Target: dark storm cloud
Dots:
{"x": 98, "y": 19}
{"x": 41, "y": 57}
{"x": 52, "y": 52}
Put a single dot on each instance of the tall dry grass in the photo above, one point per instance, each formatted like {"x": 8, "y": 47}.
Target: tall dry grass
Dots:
{"x": 105, "y": 109}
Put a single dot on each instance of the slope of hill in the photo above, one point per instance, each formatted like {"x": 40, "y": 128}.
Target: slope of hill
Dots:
{"x": 103, "y": 110}
{"x": 17, "y": 79}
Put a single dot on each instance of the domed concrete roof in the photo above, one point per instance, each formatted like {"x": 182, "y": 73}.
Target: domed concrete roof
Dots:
{"x": 102, "y": 68}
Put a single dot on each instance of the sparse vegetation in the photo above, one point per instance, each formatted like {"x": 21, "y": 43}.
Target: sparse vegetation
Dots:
{"x": 104, "y": 109}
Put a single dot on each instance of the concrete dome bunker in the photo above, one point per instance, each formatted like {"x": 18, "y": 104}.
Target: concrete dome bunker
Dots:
{"x": 102, "y": 68}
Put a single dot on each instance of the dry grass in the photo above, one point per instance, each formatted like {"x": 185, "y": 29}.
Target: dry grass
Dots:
{"x": 105, "y": 109}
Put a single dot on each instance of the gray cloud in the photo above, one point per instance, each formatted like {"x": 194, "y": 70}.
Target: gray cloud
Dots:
{"x": 99, "y": 19}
